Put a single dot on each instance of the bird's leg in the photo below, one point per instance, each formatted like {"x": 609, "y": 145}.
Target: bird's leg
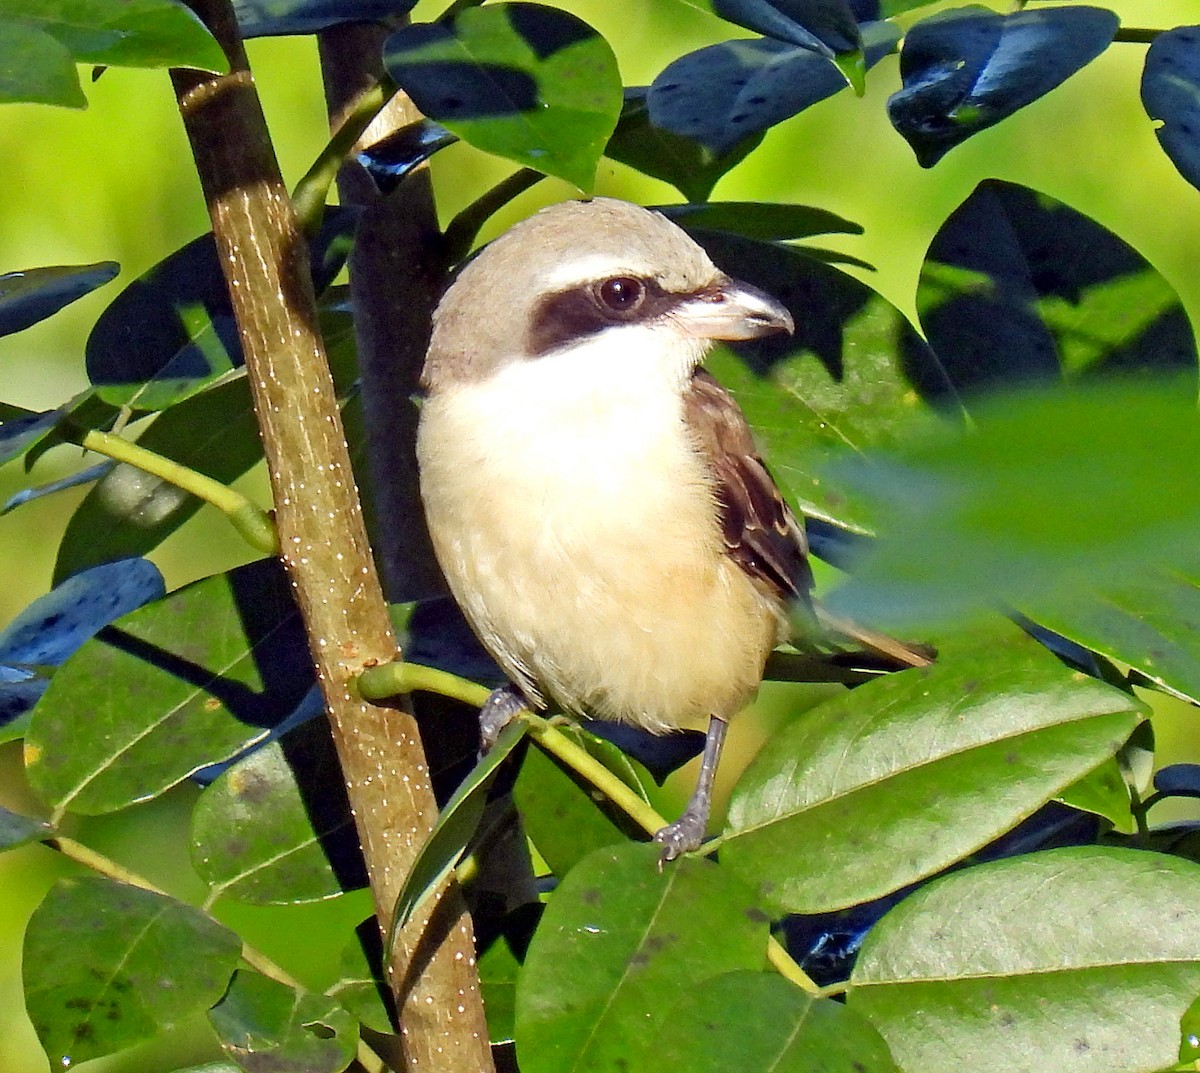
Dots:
{"x": 687, "y": 832}
{"x": 498, "y": 711}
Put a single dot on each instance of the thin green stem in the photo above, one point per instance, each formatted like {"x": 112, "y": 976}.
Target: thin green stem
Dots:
{"x": 256, "y": 959}
{"x": 246, "y": 516}
{"x": 313, "y": 188}
{"x": 461, "y": 231}
{"x": 1136, "y": 35}
{"x": 387, "y": 680}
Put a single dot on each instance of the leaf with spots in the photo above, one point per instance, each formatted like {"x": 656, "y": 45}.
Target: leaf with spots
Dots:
{"x": 532, "y": 84}
{"x": 184, "y": 682}
{"x": 107, "y": 965}
{"x": 1171, "y": 94}
{"x": 1080, "y": 960}
{"x": 276, "y": 828}
{"x": 907, "y": 774}
{"x": 619, "y": 942}
{"x": 267, "y": 1027}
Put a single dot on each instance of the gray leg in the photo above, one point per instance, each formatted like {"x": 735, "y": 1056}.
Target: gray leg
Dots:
{"x": 687, "y": 832}
{"x": 497, "y": 712}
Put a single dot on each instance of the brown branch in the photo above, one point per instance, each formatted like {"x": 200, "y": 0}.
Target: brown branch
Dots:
{"x": 325, "y": 545}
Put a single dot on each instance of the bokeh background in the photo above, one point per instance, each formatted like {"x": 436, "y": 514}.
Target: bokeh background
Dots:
{"x": 115, "y": 182}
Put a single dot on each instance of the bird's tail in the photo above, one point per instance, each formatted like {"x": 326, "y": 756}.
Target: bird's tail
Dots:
{"x": 902, "y": 653}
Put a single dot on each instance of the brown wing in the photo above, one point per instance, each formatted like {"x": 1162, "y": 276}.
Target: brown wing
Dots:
{"x": 762, "y": 535}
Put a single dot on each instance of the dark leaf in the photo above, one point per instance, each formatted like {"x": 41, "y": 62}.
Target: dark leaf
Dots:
{"x": 1171, "y": 94}
{"x": 966, "y": 69}
{"x": 824, "y": 26}
{"x": 393, "y": 157}
{"x": 618, "y": 937}
{"x": 21, "y": 430}
{"x": 17, "y": 830}
{"x": 123, "y": 33}
{"x": 765, "y": 220}
{"x": 683, "y": 162}
{"x": 107, "y": 965}
{"x": 37, "y": 293}
{"x": 278, "y": 18}
{"x": 266, "y": 1027}
{"x": 529, "y": 83}
{"x": 41, "y": 491}
{"x": 1077, "y": 960}
{"x": 182, "y": 683}
{"x": 840, "y": 807}
{"x": 723, "y": 94}
{"x": 1178, "y": 780}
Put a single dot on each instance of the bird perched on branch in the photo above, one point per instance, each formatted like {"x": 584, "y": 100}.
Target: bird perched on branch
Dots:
{"x": 594, "y": 497}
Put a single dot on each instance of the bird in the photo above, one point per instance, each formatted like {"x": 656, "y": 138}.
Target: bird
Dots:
{"x": 594, "y": 497}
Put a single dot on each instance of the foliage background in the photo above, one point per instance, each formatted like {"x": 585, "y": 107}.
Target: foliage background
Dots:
{"x": 116, "y": 182}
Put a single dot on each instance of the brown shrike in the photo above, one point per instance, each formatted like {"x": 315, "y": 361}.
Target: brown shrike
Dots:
{"x": 594, "y": 496}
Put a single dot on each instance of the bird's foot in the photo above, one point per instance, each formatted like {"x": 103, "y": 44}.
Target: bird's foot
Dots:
{"x": 682, "y": 836}
{"x": 501, "y": 708}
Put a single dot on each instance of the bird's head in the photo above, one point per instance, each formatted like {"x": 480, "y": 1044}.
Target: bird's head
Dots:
{"x": 581, "y": 272}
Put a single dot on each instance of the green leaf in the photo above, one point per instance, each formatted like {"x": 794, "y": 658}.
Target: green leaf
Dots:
{"x": 756, "y": 1022}
{"x": 17, "y": 830}
{"x": 907, "y": 774}
{"x": 498, "y": 972}
{"x": 177, "y": 685}
{"x": 1077, "y": 960}
{"x": 265, "y": 1025}
{"x": 455, "y": 827}
{"x": 129, "y": 512}
{"x": 1053, "y": 500}
{"x": 1104, "y": 792}
{"x": 358, "y": 990}
{"x": 844, "y": 381}
{"x": 619, "y": 942}
{"x": 123, "y": 33}
{"x": 107, "y": 965}
{"x": 532, "y": 84}
{"x": 264, "y": 831}
{"x": 36, "y": 67}
{"x": 765, "y": 220}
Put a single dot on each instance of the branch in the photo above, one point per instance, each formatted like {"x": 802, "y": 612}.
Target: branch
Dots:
{"x": 319, "y": 518}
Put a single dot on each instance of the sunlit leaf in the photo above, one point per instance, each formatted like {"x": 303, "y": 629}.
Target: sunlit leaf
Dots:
{"x": 967, "y": 68}
{"x": 107, "y": 965}
{"x": 909, "y": 773}
{"x": 1077, "y": 960}
{"x": 617, "y": 937}
{"x": 184, "y": 682}
{"x": 530, "y": 83}
{"x": 37, "y": 67}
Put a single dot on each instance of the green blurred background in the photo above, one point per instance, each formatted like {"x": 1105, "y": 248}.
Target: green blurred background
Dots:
{"x": 115, "y": 182}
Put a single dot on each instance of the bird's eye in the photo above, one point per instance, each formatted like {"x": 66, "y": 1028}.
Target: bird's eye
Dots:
{"x": 622, "y": 294}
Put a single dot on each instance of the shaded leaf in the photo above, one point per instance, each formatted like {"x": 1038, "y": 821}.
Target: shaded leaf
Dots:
{"x": 41, "y": 491}
{"x": 723, "y": 94}
{"x": 36, "y": 67}
{"x": 37, "y": 293}
{"x": 179, "y": 684}
{"x": 266, "y": 1027}
{"x": 824, "y": 26}
{"x": 1019, "y": 289}
{"x": 498, "y": 972}
{"x": 529, "y": 83}
{"x": 455, "y": 826}
{"x": 1178, "y": 780}
{"x": 966, "y": 69}
{"x": 265, "y": 831}
{"x": 1062, "y": 960}
{"x": 123, "y": 33}
{"x": 765, "y": 220}
{"x": 277, "y": 18}
{"x": 758, "y": 1022}
{"x": 842, "y": 806}
{"x": 684, "y": 163}
{"x": 1171, "y": 94}
{"x": 107, "y": 965}
{"x": 1052, "y": 502}
{"x": 17, "y": 830}
{"x": 616, "y": 937}
{"x": 389, "y": 160}
{"x": 22, "y": 429}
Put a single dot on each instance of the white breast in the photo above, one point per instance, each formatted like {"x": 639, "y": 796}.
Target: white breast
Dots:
{"x": 578, "y": 530}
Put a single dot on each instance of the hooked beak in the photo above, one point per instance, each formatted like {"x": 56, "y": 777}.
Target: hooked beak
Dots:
{"x": 729, "y": 309}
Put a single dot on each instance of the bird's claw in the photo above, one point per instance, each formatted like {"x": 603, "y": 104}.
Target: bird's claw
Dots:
{"x": 680, "y": 837}
{"x": 501, "y": 708}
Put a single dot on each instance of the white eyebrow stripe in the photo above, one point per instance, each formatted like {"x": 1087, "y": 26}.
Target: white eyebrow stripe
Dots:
{"x": 588, "y": 269}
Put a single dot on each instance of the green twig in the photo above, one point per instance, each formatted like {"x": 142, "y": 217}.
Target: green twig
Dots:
{"x": 461, "y": 231}
{"x": 389, "y": 679}
{"x": 246, "y": 516}
{"x": 256, "y": 959}
{"x": 312, "y": 190}
{"x": 1136, "y": 35}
